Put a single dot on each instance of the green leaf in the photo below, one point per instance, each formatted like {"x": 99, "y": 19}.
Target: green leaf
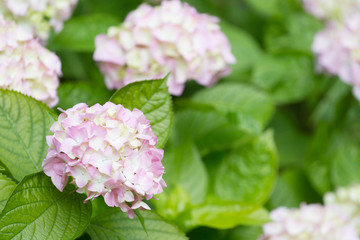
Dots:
{"x": 333, "y": 157}
{"x": 141, "y": 219}
{"x": 245, "y": 233}
{"x": 245, "y": 49}
{"x": 152, "y": 98}
{"x": 290, "y": 140}
{"x": 114, "y": 224}
{"x": 37, "y": 210}
{"x": 247, "y": 174}
{"x": 295, "y": 35}
{"x": 71, "y": 93}
{"x": 210, "y": 131}
{"x": 25, "y": 123}
{"x": 227, "y": 216}
{"x": 249, "y": 108}
{"x": 6, "y": 188}
{"x": 291, "y": 189}
{"x": 184, "y": 167}
{"x": 79, "y": 32}
{"x": 267, "y": 8}
{"x": 287, "y": 78}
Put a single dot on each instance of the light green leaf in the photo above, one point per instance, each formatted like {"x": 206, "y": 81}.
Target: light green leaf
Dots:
{"x": 152, "y": 98}
{"x": 184, "y": 167}
{"x": 114, "y": 224}
{"x": 267, "y": 8}
{"x": 37, "y": 210}
{"x": 249, "y": 108}
{"x": 245, "y": 49}
{"x": 79, "y": 32}
{"x": 247, "y": 174}
{"x": 6, "y": 188}
{"x": 24, "y": 125}
{"x": 227, "y": 216}
{"x": 287, "y": 78}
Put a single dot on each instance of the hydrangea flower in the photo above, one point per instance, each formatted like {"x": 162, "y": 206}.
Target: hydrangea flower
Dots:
{"x": 348, "y": 199}
{"x": 26, "y": 66}
{"x": 38, "y": 16}
{"x": 310, "y": 222}
{"x": 107, "y": 150}
{"x": 331, "y": 9}
{"x": 337, "y": 50}
{"x": 154, "y": 41}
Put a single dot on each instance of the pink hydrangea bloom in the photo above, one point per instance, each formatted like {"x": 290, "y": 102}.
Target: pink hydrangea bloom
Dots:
{"x": 39, "y": 16}
{"x": 348, "y": 199}
{"x": 337, "y": 50}
{"x": 310, "y": 222}
{"x": 154, "y": 41}
{"x": 108, "y": 150}
{"x": 26, "y": 66}
{"x": 331, "y": 9}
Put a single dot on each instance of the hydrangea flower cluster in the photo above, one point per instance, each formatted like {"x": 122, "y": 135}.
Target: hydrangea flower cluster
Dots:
{"x": 26, "y": 66}
{"x": 332, "y": 9}
{"x": 337, "y": 46}
{"x": 154, "y": 41}
{"x": 337, "y": 50}
{"x": 107, "y": 150}
{"x": 348, "y": 199}
{"x": 310, "y": 222}
{"x": 38, "y": 16}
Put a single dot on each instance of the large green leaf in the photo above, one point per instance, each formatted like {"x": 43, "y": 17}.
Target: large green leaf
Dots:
{"x": 248, "y": 108}
{"x": 24, "y": 124}
{"x": 79, "y": 32}
{"x": 152, "y": 98}
{"x": 6, "y": 188}
{"x": 114, "y": 224}
{"x": 247, "y": 174}
{"x": 37, "y": 210}
{"x": 184, "y": 167}
{"x": 287, "y": 78}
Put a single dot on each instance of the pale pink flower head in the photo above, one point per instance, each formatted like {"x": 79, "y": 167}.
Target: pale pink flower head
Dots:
{"x": 337, "y": 50}
{"x": 310, "y": 222}
{"x": 348, "y": 199}
{"x": 38, "y": 16}
{"x": 107, "y": 150}
{"x": 331, "y": 9}
{"x": 26, "y": 66}
{"x": 170, "y": 38}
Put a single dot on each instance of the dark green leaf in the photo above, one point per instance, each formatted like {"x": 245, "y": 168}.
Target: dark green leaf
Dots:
{"x": 37, "y": 210}
{"x": 71, "y": 93}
